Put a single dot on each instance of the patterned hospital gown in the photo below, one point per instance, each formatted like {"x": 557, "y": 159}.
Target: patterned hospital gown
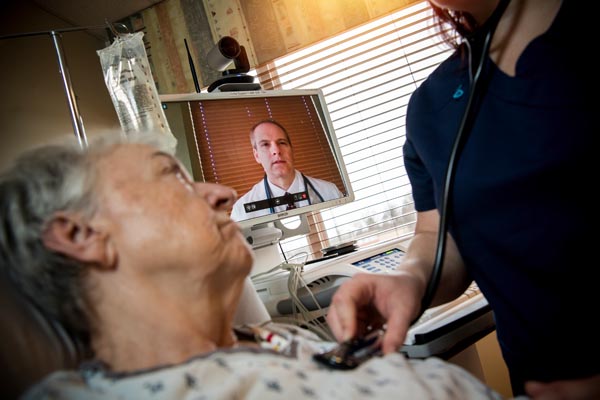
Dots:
{"x": 262, "y": 374}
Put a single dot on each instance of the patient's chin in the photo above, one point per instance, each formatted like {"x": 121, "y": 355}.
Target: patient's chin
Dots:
{"x": 241, "y": 260}
{"x": 248, "y": 261}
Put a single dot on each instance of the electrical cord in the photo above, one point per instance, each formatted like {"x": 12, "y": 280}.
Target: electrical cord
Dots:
{"x": 300, "y": 312}
{"x": 461, "y": 136}
{"x": 301, "y": 316}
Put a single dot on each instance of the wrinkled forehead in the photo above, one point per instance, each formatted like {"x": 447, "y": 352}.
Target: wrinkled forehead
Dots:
{"x": 124, "y": 162}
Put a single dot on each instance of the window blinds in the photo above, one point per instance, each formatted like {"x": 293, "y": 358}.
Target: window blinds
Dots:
{"x": 367, "y": 75}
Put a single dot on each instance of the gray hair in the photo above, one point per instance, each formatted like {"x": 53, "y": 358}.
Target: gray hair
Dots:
{"x": 43, "y": 181}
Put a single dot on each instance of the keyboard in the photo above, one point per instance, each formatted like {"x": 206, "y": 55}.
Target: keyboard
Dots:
{"x": 433, "y": 312}
{"x": 437, "y": 319}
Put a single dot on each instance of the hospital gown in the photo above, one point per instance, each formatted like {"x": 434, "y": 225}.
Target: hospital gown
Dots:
{"x": 263, "y": 373}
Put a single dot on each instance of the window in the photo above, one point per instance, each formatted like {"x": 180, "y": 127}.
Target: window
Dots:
{"x": 367, "y": 75}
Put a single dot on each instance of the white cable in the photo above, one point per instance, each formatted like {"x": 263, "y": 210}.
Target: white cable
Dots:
{"x": 301, "y": 316}
{"x": 293, "y": 286}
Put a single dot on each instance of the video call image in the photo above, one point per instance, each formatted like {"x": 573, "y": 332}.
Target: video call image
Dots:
{"x": 288, "y": 164}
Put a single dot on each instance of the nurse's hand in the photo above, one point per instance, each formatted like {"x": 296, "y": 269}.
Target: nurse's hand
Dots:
{"x": 373, "y": 300}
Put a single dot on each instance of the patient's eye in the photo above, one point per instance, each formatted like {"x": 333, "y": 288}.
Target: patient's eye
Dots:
{"x": 181, "y": 175}
{"x": 170, "y": 166}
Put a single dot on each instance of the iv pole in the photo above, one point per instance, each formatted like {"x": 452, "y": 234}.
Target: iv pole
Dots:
{"x": 55, "y": 34}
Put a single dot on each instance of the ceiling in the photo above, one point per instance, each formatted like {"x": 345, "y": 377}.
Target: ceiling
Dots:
{"x": 93, "y": 12}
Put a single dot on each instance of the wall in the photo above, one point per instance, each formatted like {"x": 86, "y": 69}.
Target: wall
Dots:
{"x": 34, "y": 106}
{"x": 266, "y": 28}
{"x": 277, "y": 27}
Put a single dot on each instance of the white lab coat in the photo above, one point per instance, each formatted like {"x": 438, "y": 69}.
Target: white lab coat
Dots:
{"x": 327, "y": 190}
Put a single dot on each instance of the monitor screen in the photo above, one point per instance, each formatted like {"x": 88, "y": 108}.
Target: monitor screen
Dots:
{"x": 276, "y": 148}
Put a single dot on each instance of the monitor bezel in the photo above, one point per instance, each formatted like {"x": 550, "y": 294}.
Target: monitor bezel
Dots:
{"x": 329, "y": 131}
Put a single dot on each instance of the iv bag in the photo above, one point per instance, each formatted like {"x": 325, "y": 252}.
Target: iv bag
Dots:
{"x": 129, "y": 81}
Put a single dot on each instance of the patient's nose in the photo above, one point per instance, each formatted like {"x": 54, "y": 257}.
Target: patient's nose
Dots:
{"x": 219, "y": 197}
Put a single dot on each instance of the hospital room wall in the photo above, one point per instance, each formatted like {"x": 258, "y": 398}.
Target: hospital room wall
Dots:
{"x": 34, "y": 107}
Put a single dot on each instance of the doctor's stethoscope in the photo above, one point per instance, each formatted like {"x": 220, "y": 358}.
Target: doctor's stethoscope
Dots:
{"x": 307, "y": 184}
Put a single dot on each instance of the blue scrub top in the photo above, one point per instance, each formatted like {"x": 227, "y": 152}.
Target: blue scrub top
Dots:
{"x": 522, "y": 212}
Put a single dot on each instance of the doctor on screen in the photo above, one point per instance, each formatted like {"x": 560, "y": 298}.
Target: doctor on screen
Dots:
{"x": 283, "y": 187}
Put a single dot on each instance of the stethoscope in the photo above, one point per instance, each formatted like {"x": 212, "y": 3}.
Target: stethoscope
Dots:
{"x": 465, "y": 125}
{"x": 307, "y": 184}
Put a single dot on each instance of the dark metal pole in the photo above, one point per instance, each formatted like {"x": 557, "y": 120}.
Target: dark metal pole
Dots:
{"x": 78, "y": 127}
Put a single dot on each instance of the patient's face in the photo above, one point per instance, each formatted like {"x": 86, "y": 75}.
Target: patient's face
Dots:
{"x": 160, "y": 221}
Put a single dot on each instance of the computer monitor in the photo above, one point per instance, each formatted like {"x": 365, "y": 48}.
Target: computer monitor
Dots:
{"x": 215, "y": 130}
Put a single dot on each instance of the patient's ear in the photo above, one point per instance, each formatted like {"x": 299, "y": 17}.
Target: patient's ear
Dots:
{"x": 71, "y": 235}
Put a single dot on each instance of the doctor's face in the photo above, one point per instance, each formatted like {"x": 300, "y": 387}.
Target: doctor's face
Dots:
{"x": 273, "y": 150}
{"x": 162, "y": 223}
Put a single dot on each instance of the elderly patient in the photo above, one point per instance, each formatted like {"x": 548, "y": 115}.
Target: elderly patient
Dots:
{"x": 144, "y": 266}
